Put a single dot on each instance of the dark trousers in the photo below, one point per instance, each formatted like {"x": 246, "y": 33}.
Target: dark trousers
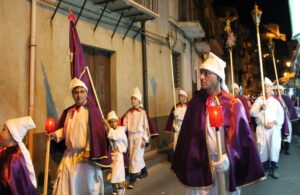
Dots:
{"x": 270, "y": 165}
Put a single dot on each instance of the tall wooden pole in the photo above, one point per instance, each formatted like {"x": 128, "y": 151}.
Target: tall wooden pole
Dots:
{"x": 45, "y": 191}
{"x": 169, "y": 39}
{"x": 272, "y": 48}
{"x": 220, "y": 153}
{"x": 32, "y": 72}
{"x": 257, "y": 14}
{"x": 232, "y": 71}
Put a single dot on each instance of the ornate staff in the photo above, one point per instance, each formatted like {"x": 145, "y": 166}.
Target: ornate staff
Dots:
{"x": 230, "y": 43}
{"x": 171, "y": 46}
{"x": 274, "y": 34}
{"x": 256, "y": 15}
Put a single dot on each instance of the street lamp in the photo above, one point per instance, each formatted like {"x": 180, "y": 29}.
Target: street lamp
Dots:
{"x": 256, "y": 16}
{"x": 288, "y": 63}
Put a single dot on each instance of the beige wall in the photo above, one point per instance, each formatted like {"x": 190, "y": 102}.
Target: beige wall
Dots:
{"x": 52, "y": 50}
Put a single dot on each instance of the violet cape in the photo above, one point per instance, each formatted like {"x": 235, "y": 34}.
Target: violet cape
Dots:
{"x": 285, "y": 126}
{"x": 245, "y": 104}
{"x": 191, "y": 161}
{"x": 290, "y": 107}
{"x": 169, "y": 125}
{"x": 14, "y": 175}
{"x": 99, "y": 144}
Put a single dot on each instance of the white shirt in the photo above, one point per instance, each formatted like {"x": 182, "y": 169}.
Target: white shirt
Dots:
{"x": 136, "y": 122}
{"x": 119, "y": 139}
{"x": 273, "y": 112}
{"x": 75, "y": 131}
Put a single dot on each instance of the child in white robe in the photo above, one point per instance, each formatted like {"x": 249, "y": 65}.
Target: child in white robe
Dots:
{"x": 137, "y": 125}
{"x": 119, "y": 144}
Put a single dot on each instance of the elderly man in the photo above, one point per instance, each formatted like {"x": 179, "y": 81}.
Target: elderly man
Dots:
{"x": 195, "y": 160}
{"x": 291, "y": 114}
{"x": 77, "y": 175}
{"x": 17, "y": 174}
{"x": 176, "y": 116}
{"x": 269, "y": 117}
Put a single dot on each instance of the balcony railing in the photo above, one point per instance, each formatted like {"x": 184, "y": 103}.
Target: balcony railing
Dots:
{"x": 149, "y": 4}
{"x": 188, "y": 11}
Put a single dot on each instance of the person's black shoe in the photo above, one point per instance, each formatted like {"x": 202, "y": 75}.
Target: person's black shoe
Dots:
{"x": 286, "y": 148}
{"x": 143, "y": 175}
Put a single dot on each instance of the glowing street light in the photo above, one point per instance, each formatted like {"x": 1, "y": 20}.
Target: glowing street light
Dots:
{"x": 288, "y": 63}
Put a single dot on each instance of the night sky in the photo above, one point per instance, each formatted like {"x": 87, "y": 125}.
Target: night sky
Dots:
{"x": 274, "y": 11}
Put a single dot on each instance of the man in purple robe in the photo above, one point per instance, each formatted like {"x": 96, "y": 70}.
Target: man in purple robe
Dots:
{"x": 17, "y": 176}
{"x": 291, "y": 113}
{"x": 176, "y": 117}
{"x": 86, "y": 149}
{"x": 195, "y": 160}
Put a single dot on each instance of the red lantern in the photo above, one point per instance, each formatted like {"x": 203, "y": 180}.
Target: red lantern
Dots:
{"x": 215, "y": 116}
{"x": 50, "y": 125}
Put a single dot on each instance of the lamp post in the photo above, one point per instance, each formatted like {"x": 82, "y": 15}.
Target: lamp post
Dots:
{"x": 256, "y": 16}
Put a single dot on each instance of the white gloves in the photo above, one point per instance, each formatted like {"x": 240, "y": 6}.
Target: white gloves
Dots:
{"x": 222, "y": 165}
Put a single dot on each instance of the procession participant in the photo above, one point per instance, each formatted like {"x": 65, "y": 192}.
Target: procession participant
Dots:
{"x": 77, "y": 174}
{"x": 291, "y": 112}
{"x": 17, "y": 174}
{"x": 242, "y": 98}
{"x": 176, "y": 116}
{"x": 119, "y": 145}
{"x": 269, "y": 118}
{"x": 195, "y": 160}
{"x": 140, "y": 129}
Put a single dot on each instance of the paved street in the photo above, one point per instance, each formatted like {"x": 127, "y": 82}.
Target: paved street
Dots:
{"x": 162, "y": 181}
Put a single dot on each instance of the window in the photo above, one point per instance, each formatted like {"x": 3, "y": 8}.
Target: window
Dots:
{"x": 177, "y": 69}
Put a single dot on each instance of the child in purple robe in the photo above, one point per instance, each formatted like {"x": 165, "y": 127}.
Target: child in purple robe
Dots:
{"x": 17, "y": 174}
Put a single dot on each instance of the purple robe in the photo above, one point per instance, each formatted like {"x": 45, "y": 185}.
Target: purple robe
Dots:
{"x": 245, "y": 104}
{"x": 99, "y": 144}
{"x": 290, "y": 107}
{"x": 169, "y": 125}
{"x": 285, "y": 126}
{"x": 14, "y": 175}
{"x": 191, "y": 161}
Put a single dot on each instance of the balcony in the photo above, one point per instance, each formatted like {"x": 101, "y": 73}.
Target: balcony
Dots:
{"x": 140, "y": 9}
{"x": 149, "y": 4}
{"x": 188, "y": 18}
